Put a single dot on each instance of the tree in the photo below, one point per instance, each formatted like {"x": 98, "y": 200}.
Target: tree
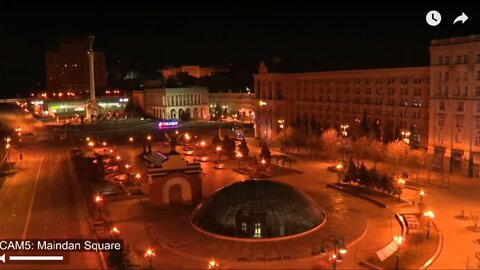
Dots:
{"x": 265, "y": 153}
{"x": 329, "y": 141}
{"x": 362, "y": 175}
{"x": 243, "y": 148}
{"x": 396, "y": 152}
{"x": 229, "y": 146}
{"x": 416, "y": 159}
{"x": 298, "y": 138}
{"x": 376, "y": 151}
{"x": 359, "y": 149}
{"x": 351, "y": 174}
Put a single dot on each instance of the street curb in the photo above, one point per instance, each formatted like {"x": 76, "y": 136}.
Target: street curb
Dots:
{"x": 437, "y": 251}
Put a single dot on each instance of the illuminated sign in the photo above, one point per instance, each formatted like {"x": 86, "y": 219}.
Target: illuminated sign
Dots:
{"x": 167, "y": 123}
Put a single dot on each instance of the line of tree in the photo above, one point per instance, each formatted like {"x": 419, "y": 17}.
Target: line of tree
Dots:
{"x": 370, "y": 178}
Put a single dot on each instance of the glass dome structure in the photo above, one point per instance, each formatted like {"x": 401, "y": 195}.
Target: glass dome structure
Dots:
{"x": 258, "y": 209}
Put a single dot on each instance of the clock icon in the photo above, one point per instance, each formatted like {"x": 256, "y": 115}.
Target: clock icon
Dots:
{"x": 433, "y": 18}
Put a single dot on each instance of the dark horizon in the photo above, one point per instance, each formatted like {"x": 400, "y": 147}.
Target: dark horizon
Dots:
{"x": 354, "y": 37}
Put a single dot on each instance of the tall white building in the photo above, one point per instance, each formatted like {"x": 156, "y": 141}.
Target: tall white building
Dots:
{"x": 454, "y": 123}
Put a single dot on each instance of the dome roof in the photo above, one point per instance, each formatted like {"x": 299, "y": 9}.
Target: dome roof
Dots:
{"x": 258, "y": 209}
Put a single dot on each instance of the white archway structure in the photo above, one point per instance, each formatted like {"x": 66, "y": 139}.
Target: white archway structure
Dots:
{"x": 185, "y": 186}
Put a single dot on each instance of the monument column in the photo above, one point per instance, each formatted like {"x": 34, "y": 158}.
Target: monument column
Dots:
{"x": 92, "y": 108}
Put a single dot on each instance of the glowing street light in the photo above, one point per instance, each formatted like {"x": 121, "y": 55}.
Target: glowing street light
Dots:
{"x": 91, "y": 144}
{"x": 115, "y": 232}
{"x": 212, "y": 264}
{"x": 263, "y": 161}
{"x": 149, "y": 255}
{"x": 104, "y": 144}
{"x": 218, "y": 149}
{"x": 422, "y": 193}
{"x": 430, "y": 215}
{"x": 98, "y": 201}
{"x": 88, "y": 139}
{"x": 239, "y": 156}
{"x": 130, "y": 139}
{"x": 149, "y": 138}
{"x": 401, "y": 183}
{"x": 118, "y": 157}
{"x": 127, "y": 166}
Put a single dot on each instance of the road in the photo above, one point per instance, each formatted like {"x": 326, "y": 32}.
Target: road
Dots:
{"x": 40, "y": 201}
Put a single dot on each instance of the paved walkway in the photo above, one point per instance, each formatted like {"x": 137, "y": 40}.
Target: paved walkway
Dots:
{"x": 188, "y": 253}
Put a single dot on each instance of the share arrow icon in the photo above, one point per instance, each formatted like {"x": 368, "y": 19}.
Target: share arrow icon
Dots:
{"x": 462, "y": 18}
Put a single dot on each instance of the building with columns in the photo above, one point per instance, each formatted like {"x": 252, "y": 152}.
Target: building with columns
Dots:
{"x": 173, "y": 103}
{"x": 454, "y": 127}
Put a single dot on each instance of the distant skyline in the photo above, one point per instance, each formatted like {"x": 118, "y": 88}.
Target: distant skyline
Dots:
{"x": 225, "y": 34}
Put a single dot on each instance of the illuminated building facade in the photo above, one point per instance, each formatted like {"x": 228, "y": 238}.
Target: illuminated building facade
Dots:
{"x": 454, "y": 128}
{"x": 194, "y": 71}
{"x": 242, "y": 104}
{"x": 388, "y": 100}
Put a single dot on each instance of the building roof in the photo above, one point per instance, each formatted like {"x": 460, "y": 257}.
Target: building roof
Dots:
{"x": 285, "y": 210}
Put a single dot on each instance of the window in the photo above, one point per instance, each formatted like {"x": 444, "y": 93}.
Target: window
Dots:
{"x": 459, "y": 121}
{"x": 258, "y": 230}
{"x": 466, "y": 91}
{"x": 447, "y": 60}
{"x": 459, "y": 59}
{"x": 460, "y": 106}
{"x": 477, "y": 122}
{"x": 465, "y": 59}
{"x": 478, "y": 58}
{"x": 477, "y": 140}
{"x": 439, "y": 76}
{"x": 478, "y": 107}
{"x": 478, "y": 75}
{"x": 446, "y": 76}
{"x": 244, "y": 227}
{"x": 458, "y": 137}
{"x": 477, "y": 92}
{"x": 441, "y": 120}
{"x": 440, "y": 60}
{"x": 441, "y": 105}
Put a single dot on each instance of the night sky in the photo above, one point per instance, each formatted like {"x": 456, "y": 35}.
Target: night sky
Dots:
{"x": 228, "y": 34}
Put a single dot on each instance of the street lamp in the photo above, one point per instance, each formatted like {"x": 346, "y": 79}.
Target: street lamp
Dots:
{"x": 98, "y": 201}
{"x": 137, "y": 179}
{"x": 429, "y": 215}
{"x": 344, "y": 135}
{"x": 212, "y": 264}
{"x": 130, "y": 139}
{"x": 405, "y": 136}
{"x": 115, "y": 232}
{"x": 339, "y": 168}
{"x": 149, "y": 255}
{"x": 398, "y": 240}
{"x": 90, "y": 144}
{"x": 422, "y": 193}
{"x": 127, "y": 166}
{"x": 118, "y": 158}
{"x": 401, "y": 182}
{"x": 104, "y": 144}
{"x": 149, "y": 138}
{"x": 339, "y": 251}
{"x": 218, "y": 149}
{"x": 239, "y": 156}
